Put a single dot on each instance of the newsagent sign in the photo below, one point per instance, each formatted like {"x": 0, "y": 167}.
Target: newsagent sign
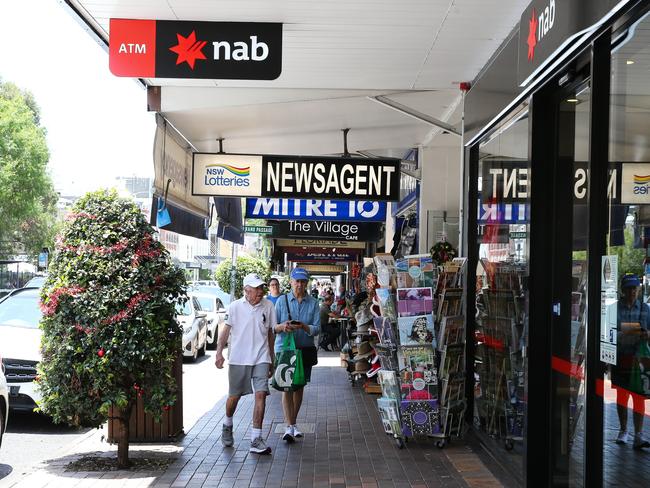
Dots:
{"x": 295, "y": 177}
{"x": 311, "y": 209}
{"x": 188, "y": 49}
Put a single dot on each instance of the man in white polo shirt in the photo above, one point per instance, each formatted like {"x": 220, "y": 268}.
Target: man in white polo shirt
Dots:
{"x": 249, "y": 323}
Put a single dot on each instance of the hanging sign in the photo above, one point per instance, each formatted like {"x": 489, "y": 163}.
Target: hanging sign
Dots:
{"x": 307, "y": 243}
{"x": 292, "y": 209}
{"x": 192, "y": 49}
{"x": 337, "y": 256}
{"x": 326, "y": 230}
{"x": 296, "y": 177}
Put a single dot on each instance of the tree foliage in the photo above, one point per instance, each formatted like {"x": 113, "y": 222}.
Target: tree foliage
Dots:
{"x": 27, "y": 196}
{"x": 245, "y": 265}
{"x": 110, "y": 333}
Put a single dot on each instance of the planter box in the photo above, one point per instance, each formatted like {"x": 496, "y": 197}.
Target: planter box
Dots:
{"x": 142, "y": 427}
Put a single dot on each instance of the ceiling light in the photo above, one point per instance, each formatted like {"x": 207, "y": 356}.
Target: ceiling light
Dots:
{"x": 629, "y": 61}
{"x": 572, "y": 100}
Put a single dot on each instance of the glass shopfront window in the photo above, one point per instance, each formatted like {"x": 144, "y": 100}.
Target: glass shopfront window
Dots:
{"x": 502, "y": 289}
{"x": 626, "y": 281}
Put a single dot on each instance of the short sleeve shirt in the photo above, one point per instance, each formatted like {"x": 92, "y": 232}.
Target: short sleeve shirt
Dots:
{"x": 249, "y": 333}
{"x": 306, "y": 311}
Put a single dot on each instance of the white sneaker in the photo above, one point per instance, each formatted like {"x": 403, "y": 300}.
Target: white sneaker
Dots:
{"x": 295, "y": 431}
{"x": 640, "y": 442}
{"x": 622, "y": 437}
{"x": 288, "y": 435}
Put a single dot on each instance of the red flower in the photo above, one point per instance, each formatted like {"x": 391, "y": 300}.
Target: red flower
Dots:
{"x": 100, "y": 353}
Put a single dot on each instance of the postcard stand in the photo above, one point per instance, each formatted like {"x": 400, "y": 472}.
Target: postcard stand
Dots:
{"x": 450, "y": 324}
{"x": 412, "y": 391}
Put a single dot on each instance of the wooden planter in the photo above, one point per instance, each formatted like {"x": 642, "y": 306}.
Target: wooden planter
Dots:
{"x": 142, "y": 427}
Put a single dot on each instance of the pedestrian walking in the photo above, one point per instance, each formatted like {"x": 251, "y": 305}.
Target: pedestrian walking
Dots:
{"x": 297, "y": 313}
{"x": 250, "y": 323}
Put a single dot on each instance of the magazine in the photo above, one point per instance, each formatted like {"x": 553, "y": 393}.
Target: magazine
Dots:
{"x": 452, "y": 359}
{"x": 386, "y": 303}
{"x": 386, "y": 273}
{"x": 414, "y": 301}
{"x": 450, "y": 303}
{"x": 418, "y": 373}
{"x": 416, "y": 270}
{"x": 389, "y": 413}
{"x": 420, "y": 417}
{"x": 389, "y": 385}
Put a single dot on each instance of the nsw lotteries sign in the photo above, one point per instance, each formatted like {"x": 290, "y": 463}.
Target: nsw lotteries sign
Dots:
{"x": 296, "y": 177}
{"x": 295, "y": 209}
{"x": 189, "y": 49}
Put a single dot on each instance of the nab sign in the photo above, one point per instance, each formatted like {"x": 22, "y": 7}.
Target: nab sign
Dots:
{"x": 206, "y": 50}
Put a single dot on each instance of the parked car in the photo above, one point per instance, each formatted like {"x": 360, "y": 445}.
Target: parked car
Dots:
{"x": 4, "y": 401}
{"x": 215, "y": 311}
{"x": 36, "y": 282}
{"x": 195, "y": 328}
{"x": 20, "y": 340}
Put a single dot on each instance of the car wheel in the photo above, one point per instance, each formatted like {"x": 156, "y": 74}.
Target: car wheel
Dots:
{"x": 213, "y": 343}
{"x": 195, "y": 349}
{"x": 205, "y": 345}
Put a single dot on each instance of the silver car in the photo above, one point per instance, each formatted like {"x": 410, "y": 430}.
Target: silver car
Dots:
{"x": 215, "y": 309}
{"x": 195, "y": 328}
{"x": 4, "y": 401}
{"x": 20, "y": 341}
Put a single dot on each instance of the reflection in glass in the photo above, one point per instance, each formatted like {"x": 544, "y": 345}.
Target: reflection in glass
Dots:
{"x": 502, "y": 287}
{"x": 626, "y": 406}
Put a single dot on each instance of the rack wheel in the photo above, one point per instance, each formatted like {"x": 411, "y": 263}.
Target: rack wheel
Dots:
{"x": 400, "y": 442}
{"x": 440, "y": 444}
{"x": 509, "y": 445}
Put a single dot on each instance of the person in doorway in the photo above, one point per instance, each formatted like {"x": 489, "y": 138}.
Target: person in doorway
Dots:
{"x": 274, "y": 290}
{"x": 297, "y": 313}
{"x": 633, "y": 323}
{"x": 330, "y": 330}
{"x": 249, "y": 324}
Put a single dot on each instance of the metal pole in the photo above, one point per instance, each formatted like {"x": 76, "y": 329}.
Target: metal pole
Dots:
{"x": 233, "y": 272}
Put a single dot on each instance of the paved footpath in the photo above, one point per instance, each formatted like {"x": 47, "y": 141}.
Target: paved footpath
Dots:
{"x": 344, "y": 446}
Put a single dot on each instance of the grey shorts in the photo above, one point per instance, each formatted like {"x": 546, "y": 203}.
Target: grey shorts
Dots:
{"x": 244, "y": 380}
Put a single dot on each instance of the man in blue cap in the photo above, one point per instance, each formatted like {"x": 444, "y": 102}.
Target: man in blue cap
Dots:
{"x": 633, "y": 323}
{"x": 298, "y": 313}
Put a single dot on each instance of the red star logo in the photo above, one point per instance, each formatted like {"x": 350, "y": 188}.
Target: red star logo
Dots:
{"x": 188, "y": 49}
{"x": 532, "y": 36}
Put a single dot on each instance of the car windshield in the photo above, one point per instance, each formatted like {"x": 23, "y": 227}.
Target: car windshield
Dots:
{"x": 21, "y": 309}
{"x": 184, "y": 309}
{"x": 214, "y": 290}
{"x": 37, "y": 281}
{"x": 207, "y": 303}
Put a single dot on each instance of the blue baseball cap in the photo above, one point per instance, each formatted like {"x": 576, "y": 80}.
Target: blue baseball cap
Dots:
{"x": 630, "y": 281}
{"x": 299, "y": 274}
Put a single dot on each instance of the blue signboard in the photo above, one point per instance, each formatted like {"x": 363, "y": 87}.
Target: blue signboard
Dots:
{"x": 332, "y": 210}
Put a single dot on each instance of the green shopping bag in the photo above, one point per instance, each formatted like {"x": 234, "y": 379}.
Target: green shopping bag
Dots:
{"x": 640, "y": 376}
{"x": 289, "y": 371}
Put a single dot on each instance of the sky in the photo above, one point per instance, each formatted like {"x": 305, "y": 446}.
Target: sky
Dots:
{"x": 97, "y": 124}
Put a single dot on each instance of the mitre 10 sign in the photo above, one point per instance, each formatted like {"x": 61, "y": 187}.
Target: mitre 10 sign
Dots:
{"x": 208, "y": 50}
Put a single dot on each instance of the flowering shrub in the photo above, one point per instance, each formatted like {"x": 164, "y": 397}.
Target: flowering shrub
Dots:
{"x": 109, "y": 321}
{"x": 442, "y": 251}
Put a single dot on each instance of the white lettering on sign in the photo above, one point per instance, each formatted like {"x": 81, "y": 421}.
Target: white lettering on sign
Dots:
{"x": 514, "y": 181}
{"x": 361, "y": 180}
{"x": 241, "y": 51}
{"x": 546, "y": 20}
{"x": 581, "y": 179}
{"x": 130, "y": 48}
